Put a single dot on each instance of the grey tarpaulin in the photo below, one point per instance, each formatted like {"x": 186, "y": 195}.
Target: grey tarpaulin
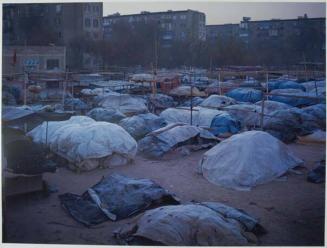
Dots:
{"x": 103, "y": 114}
{"x": 163, "y": 140}
{"x": 288, "y": 123}
{"x": 115, "y": 197}
{"x": 319, "y": 111}
{"x": 240, "y": 162}
{"x": 200, "y": 224}
{"x": 140, "y": 125}
{"x": 216, "y": 101}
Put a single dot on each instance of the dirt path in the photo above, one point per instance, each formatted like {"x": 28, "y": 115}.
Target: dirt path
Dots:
{"x": 292, "y": 211}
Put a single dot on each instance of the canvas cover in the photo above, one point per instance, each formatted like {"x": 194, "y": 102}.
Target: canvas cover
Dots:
{"x": 201, "y": 117}
{"x": 140, "y": 125}
{"x": 199, "y": 224}
{"x": 127, "y": 104}
{"x": 106, "y": 114}
{"x": 186, "y": 91}
{"x": 86, "y": 143}
{"x": 246, "y": 160}
{"x": 245, "y": 95}
{"x": 216, "y": 101}
{"x": 163, "y": 140}
{"x": 115, "y": 197}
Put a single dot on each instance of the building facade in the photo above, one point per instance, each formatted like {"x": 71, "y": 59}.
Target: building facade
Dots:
{"x": 173, "y": 25}
{"x": 60, "y": 24}
{"x": 302, "y": 37}
{"x": 17, "y": 59}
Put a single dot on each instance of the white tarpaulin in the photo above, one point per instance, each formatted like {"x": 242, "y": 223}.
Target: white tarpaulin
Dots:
{"x": 86, "y": 143}
{"x": 125, "y": 103}
{"x": 186, "y": 91}
{"x": 216, "y": 101}
{"x": 247, "y": 114}
{"x": 201, "y": 117}
{"x": 246, "y": 160}
{"x": 271, "y": 106}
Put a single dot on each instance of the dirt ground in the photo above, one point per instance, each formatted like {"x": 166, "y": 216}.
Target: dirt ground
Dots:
{"x": 292, "y": 210}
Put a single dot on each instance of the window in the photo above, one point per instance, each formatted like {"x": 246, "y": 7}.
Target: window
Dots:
{"x": 95, "y": 23}
{"x": 58, "y": 8}
{"x": 183, "y": 17}
{"x": 87, "y": 22}
{"x": 52, "y": 64}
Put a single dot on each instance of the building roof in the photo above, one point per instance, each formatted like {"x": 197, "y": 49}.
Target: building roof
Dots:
{"x": 271, "y": 20}
{"x": 145, "y": 13}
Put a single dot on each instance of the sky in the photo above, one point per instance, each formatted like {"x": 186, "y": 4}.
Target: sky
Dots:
{"x": 224, "y": 12}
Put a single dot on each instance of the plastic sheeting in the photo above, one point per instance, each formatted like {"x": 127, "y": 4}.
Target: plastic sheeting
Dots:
{"x": 142, "y": 77}
{"x": 245, "y": 95}
{"x": 224, "y": 125}
{"x": 115, "y": 197}
{"x": 75, "y": 103}
{"x": 163, "y": 140}
{"x": 216, "y": 101}
{"x": 246, "y": 160}
{"x": 140, "y": 125}
{"x": 201, "y": 224}
{"x": 319, "y": 111}
{"x": 311, "y": 85}
{"x": 196, "y": 101}
{"x": 109, "y": 115}
{"x": 85, "y": 143}
{"x": 287, "y": 124}
{"x": 200, "y": 116}
{"x": 161, "y": 101}
{"x": 271, "y": 106}
{"x": 186, "y": 91}
{"x": 127, "y": 104}
{"x": 248, "y": 114}
{"x": 294, "y": 101}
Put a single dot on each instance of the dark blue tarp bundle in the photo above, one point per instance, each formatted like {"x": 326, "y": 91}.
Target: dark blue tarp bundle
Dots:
{"x": 223, "y": 124}
{"x": 115, "y": 197}
{"x": 245, "y": 95}
{"x": 293, "y": 97}
{"x": 281, "y": 84}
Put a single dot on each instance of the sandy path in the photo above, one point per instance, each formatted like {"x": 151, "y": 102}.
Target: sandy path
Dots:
{"x": 292, "y": 211}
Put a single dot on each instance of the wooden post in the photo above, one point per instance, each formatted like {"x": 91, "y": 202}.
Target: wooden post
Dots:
{"x": 25, "y": 87}
{"x": 262, "y": 111}
{"x": 219, "y": 86}
{"x": 267, "y": 80}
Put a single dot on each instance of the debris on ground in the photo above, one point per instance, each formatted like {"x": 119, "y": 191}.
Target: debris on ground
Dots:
{"x": 85, "y": 143}
{"x": 200, "y": 224}
{"x": 115, "y": 197}
{"x": 163, "y": 140}
{"x": 246, "y": 160}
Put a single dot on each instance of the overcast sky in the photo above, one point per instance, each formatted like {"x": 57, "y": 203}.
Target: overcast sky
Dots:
{"x": 223, "y": 12}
